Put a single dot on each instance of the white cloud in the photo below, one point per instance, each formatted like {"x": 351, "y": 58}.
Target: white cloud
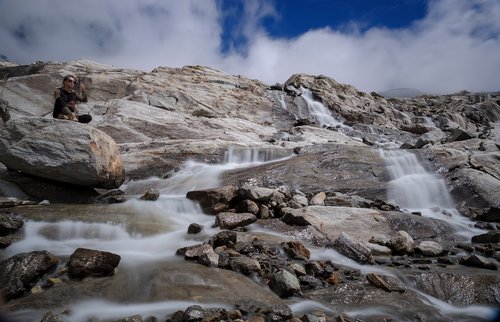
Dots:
{"x": 456, "y": 46}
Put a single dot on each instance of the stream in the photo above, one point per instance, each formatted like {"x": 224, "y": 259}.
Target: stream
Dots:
{"x": 172, "y": 213}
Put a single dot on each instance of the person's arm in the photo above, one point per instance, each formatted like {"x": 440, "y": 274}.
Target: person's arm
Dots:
{"x": 80, "y": 91}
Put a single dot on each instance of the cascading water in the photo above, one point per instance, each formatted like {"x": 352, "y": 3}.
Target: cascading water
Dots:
{"x": 319, "y": 111}
{"x": 416, "y": 190}
{"x": 170, "y": 215}
{"x": 173, "y": 213}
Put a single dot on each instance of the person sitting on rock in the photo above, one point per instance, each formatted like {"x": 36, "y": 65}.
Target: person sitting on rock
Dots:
{"x": 66, "y": 101}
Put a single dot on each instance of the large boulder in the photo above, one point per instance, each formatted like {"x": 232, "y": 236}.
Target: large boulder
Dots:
{"x": 63, "y": 151}
{"x": 346, "y": 168}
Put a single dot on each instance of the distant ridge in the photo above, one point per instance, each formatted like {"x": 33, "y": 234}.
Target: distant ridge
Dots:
{"x": 401, "y": 93}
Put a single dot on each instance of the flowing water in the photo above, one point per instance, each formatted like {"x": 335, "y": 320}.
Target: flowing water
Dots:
{"x": 414, "y": 189}
{"x": 318, "y": 111}
{"x": 411, "y": 188}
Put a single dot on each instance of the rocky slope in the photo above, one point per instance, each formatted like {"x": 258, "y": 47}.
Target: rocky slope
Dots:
{"x": 148, "y": 124}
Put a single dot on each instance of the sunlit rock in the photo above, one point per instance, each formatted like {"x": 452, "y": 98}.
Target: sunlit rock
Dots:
{"x": 62, "y": 151}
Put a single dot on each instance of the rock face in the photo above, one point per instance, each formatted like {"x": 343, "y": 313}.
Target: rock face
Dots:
{"x": 162, "y": 118}
{"x": 63, "y": 151}
{"x": 326, "y": 187}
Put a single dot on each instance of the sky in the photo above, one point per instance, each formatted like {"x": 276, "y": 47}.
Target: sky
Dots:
{"x": 435, "y": 46}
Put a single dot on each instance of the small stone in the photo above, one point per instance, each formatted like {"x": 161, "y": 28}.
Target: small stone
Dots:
{"x": 54, "y": 281}
{"x": 151, "y": 195}
{"x": 231, "y": 220}
{"x": 318, "y": 199}
{"x": 194, "y": 229}
{"x": 429, "y": 248}
{"x": 37, "y": 289}
{"x": 478, "y": 261}
{"x": 335, "y": 278}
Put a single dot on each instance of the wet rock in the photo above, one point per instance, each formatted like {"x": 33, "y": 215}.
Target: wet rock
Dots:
{"x": 7, "y": 202}
{"x": 343, "y": 200}
{"x": 402, "y": 243}
{"x": 363, "y": 175}
{"x": 151, "y": 195}
{"x": 385, "y": 282}
{"x": 345, "y": 245}
{"x": 492, "y": 215}
{"x": 297, "y": 268}
{"x": 194, "y": 228}
{"x": 223, "y": 238}
{"x": 251, "y": 307}
{"x": 310, "y": 282}
{"x": 459, "y": 135}
{"x": 314, "y": 268}
{"x": 294, "y": 218}
{"x": 489, "y": 237}
{"x": 297, "y": 250}
{"x": 249, "y": 206}
{"x": 260, "y": 194}
{"x": 52, "y": 317}
{"x": 421, "y": 143}
{"x": 231, "y": 220}
{"x": 193, "y": 313}
{"x": 429, "y": 248}
{"x": 88, "y": 262}
{"x": 6, "y": 241}
{"x": 284, "y": 284}
{"x": 378, "y": 250}
{"x": 9, "y": 223}
{"x": 335, "y": 278}
{"x": 209, "y": 259}
{"x": 194, "y": 252}
{"x": 20, "y": 272}
{"x": 213, "y": 201}
{"x": 407, "y": 146}
{"x": 113, "y": 196}
{"x": 134, "y": 318}
{"x": 244, "y": 264}
{"x": 460, "y": 286}
{"x": 478, "y": 261}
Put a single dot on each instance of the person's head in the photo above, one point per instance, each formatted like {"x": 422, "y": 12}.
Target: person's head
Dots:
{"x": 71, "y": 103}
{"x": 69, "y": 81}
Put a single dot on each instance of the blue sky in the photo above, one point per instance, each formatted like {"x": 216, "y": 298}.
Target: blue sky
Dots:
{"x": 438, "y": 46}
{"x": 295, "y": 17}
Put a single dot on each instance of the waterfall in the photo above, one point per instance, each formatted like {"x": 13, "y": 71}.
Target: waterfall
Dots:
{"x": 319, "y": 111}
{"x": 414, "y": 189}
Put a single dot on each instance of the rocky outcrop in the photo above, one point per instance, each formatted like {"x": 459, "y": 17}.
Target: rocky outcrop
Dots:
{"x": 162, "y": 118}
{"x": 290, "y": 227}
{"x": 63, "y": 151}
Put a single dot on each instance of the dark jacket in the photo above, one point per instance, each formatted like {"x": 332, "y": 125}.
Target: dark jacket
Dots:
{"x": 62, "y": 100}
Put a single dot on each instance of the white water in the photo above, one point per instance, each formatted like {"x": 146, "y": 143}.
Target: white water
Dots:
{"x": 414, "y": 189}
{"x": 299, "y": 114}
{"x": 175, "y": 212}
{"x": 320, "y": 112}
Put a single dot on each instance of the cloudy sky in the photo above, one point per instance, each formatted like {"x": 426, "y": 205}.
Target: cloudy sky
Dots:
{"x": 439, "y": 46}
